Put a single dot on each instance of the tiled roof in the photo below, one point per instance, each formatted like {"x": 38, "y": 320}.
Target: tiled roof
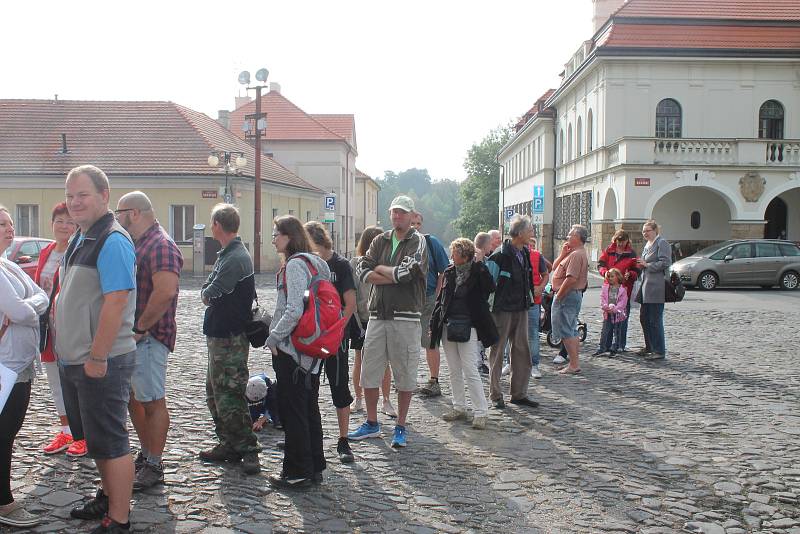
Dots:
{"x": 694, "y": 36}
{"x": 713, "y": 9}
{"x": 343, "y": 125}
{"x": 287, "y": 122}
{"x": 122, "y": 138}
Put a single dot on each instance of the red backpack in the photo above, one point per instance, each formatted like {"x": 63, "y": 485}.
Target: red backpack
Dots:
{"x": 320, "y": 330}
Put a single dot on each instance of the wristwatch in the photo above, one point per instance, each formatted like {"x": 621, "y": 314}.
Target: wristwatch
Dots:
{"x": 137, "y": 331}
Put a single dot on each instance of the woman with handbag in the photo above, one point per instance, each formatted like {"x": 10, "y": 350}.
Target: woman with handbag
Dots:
{"x": 69, "y": 438}
{"x": 460, "y": 316}
{"x": 620, "y": 255}
{"x": 21, "y": 304}
{"x": 654, "y": 264}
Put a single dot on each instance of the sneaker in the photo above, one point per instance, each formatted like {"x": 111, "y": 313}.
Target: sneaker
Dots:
{"x": 535, "y": 372}
{"x": 506, "y": 370}
{"x": 559, "y": 359}
{"x": 14, "y": 515}
{"x": 525, "y": 401}
{"x": 644, "y": 351}
{"x": 399, "y": 439}
{"x": 95, "y": 508}
{"x": 654, "y": 356}
{"x": 109, "y": 526}
{"x": 344, "y": 451}
{"x": 365, "y": 431}
{"x": 138, "y": 463}
{"x": 483, "y": 369}
{"x": 282, "y": 482}
{"x": 388, "y": 409}
{"x": 454, "y": 415}
{"x": 499, "y": 404}
{"x": 250, "y": 463}
{"x": 77, "y": 449}
{"x": 220, "y": 453}
{"x": 358, "y": 405}
{"x": 431, "y": 389}
{"x": 60, "y": 443}
{"x": 479, "y": 422}
{"x": 148, "y": 476}
{"x": 600, "y": 352}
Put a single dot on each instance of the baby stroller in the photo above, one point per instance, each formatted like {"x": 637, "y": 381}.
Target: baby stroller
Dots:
{"x": 545, "y": 326}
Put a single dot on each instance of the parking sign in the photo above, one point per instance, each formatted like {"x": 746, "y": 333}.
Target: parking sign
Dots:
{"x": 509, "y": 213}
{"x": 538, "y": 205}
{"x": 330, "y": 202}
{"x": 538, "y": 191}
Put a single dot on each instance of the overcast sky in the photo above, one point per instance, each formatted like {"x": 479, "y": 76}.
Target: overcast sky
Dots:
{"x": 425, "y": 79}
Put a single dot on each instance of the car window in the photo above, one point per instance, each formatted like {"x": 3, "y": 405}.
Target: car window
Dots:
{"x": 29, "y": 248}
{"x": 767, "y": 250}
{"x": 742, "y": 251}
{"x": 721, "y": 254}
{"x": 789, "y": 250}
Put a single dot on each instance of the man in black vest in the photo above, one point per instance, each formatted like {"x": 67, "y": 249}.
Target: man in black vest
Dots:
{"x": 511, "y": 269}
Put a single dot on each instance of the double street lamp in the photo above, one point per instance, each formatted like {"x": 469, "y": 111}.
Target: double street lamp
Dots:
{"x": 231, "y": 161}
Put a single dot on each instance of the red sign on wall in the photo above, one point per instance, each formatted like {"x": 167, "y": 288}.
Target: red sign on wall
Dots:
{"x": 641, "y": 182}
{"x": 209, "y": 194}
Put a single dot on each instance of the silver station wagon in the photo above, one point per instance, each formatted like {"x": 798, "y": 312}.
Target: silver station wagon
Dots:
{"x": 744, "y": 262}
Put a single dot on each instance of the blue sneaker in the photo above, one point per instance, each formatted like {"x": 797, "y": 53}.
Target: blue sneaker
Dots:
{"x": 366, "y": 430}
{"x": 399, "y": 439}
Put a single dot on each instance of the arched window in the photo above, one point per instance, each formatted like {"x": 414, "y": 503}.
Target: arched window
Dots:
{"x": 770, "y": 120}
{"x": 569, "y": 142}
{"x": 579, "y": 138}
{"x": 668, "y": 118}
{"x": 589, "y": 125}
{"x": 561, "y": 147}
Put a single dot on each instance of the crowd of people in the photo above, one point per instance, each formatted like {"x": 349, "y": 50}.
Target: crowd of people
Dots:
{"x": 101, "y": 311}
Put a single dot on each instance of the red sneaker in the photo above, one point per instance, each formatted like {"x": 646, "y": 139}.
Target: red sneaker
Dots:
{"x": 60, "y": 442}
{"x": 78, "y": 448}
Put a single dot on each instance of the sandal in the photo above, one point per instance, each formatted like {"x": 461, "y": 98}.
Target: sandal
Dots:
{"x": 568, "y": 371}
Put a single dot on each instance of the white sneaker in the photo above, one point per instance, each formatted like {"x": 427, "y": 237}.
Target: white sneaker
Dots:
{"x": 506, "y": 369}
{"x": 535, "y": 372}
{"x": 388, "y": 409}
{"x": 559, "y": 359}
{"x": 358, "y": 406}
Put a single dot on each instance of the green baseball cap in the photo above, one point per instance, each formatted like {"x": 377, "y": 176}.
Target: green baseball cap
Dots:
{"x": 402, "y": 202}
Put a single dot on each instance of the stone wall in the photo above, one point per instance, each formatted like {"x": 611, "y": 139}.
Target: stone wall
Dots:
{"x": 748, "y": 230}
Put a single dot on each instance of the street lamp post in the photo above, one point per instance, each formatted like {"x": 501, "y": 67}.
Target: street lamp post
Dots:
{"x": 260, "y": 120}
{"x": 231, "y": 161}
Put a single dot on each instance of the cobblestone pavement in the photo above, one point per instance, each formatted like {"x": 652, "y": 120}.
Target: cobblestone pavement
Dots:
{"x": 707, "y": 441}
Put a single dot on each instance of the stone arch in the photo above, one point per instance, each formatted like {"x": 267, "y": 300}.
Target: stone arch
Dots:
{"x": 704, "y": 180}
{"x": 676, "y": 210}
{"x": 610, "y": 205}
{"x": 789, "y": 193}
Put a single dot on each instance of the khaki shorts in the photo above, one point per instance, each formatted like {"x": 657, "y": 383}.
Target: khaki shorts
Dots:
{"x": 395, "y": 343}
{"x": 425, "y": 321}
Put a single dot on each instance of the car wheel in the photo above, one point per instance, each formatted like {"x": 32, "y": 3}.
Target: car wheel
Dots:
{"x": 553, "y": 340}
{"x": 789, "y": 280}
{"x": 707, "y": 280}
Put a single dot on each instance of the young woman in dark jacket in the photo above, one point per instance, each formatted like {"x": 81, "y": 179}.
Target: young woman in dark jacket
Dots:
{"x": 460, "y": 317}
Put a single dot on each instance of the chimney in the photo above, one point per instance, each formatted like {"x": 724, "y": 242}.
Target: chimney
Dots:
{"x": 241, "y": 101}
{"x": 603, "y": 10}
{"x": 274, "y": 87}
{"x": 224, "y": 118}
{"x": 270, "y": 155}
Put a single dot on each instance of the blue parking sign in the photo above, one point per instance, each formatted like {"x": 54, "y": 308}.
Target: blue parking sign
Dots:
{"x": 509, "y": 213}
{"x": 538, "y": 205}
{"x": 330, "y": 202}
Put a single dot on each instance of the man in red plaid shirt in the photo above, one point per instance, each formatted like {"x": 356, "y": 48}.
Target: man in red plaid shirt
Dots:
{"x": 159, "y": 263}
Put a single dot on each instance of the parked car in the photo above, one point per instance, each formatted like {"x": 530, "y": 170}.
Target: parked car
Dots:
{"x": 742, "y": 262}
{"x": 25, "y": 252}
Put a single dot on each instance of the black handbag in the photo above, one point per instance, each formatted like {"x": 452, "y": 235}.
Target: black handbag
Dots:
{"x": 458, "y": 329}
{"x": 44, "y": 319}
{"x": 257, "y": 327}
{"x": 674, "y": 290}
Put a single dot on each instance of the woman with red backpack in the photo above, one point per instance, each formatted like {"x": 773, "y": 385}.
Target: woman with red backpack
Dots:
{"x": 620, "y": 255}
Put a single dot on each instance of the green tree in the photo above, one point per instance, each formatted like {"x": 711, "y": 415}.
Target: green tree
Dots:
{"x": 479, "y": 192}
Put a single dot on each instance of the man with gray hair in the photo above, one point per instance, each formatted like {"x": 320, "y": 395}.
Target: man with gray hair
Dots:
{"x": 570, "y": 278}
{"x": 159, "y": 263}
{"x": 510, "y": 267}
{"x": 496, "y": 240}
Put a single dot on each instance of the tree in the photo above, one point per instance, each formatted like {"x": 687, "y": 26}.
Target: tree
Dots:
{"x": 480, "y": 191}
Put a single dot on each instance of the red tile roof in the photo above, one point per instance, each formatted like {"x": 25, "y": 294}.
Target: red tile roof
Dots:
{"x": 287, "y": 122}
{"x": 122, "y": 138}
{"x": 701, "y": 36}
{"x": 713, "y": 9}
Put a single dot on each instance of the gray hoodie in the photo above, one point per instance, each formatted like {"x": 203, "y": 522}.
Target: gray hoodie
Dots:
{"x": 289, "y": 306}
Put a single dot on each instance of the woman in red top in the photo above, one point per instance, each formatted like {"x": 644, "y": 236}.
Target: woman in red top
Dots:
{"x": 620, "y": 255}
{"x": 46, "y": 277}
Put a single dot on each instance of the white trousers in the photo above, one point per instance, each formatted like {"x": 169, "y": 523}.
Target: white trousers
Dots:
{"x": 461, "y": 358}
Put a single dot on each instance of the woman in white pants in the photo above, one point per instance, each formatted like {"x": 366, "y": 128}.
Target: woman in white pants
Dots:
{"x": 461, "y": 316}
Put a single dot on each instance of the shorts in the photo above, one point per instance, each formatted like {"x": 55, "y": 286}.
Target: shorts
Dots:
{"x": 102, "y": 405}
{"x": 149, "y": 380}
{"x": 391, "y": 342}
{"x": 425, "y": 321}
{"x": 564, "y": 315}
{"x": 337, "y": 370}
{"x": 357, "y": 341}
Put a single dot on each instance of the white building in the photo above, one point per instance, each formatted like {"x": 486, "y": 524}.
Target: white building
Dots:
{"x": 685, "y": 112}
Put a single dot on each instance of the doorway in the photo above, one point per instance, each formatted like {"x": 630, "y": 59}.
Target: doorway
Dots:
{"x": 776, "y": 217}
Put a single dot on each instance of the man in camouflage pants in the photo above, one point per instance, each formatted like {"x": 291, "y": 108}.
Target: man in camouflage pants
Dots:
{"x": 229, "y": 293}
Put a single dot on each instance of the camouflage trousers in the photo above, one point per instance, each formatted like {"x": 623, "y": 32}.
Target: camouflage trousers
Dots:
{"x": 226, "y": 381}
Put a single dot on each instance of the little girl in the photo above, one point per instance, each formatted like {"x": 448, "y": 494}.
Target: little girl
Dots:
{"x": 613, "y": 300}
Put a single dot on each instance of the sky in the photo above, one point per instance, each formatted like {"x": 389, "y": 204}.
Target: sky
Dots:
{"x": 425, "y": 79}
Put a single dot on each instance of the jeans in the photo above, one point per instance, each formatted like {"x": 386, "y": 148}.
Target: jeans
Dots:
{"x": 610, "y": 338}
{"x": 623, "y": 328}
{"x": 652, "y": 318}
{"x": 533, "y": 332}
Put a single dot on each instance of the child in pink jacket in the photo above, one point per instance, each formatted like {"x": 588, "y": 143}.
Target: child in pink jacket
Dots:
{"x": 613, "y": 301}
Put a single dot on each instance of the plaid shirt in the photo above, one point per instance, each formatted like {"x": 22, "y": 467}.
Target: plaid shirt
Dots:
{"x": 156, "y": 251}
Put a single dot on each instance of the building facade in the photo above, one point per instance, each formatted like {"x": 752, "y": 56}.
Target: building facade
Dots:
{"x": 366, "y": 202}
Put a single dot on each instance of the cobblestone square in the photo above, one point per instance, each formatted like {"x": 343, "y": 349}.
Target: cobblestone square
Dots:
{"x": 706, "y": 441}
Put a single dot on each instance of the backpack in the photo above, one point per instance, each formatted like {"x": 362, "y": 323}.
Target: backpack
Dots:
{"x": 320, "y": 330}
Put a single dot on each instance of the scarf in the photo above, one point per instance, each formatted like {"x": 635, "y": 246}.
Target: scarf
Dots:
{"x": 462, "y": 272}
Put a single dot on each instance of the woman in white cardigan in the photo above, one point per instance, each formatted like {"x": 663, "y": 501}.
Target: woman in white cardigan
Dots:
{"x": 21, "y": 303}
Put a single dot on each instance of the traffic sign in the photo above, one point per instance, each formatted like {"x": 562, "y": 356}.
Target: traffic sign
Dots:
{"x": 330, "y": 202}
{"x": 509, "y": 213}
{"x": 538, "y": 191}
{"x": 538, "y": 205}
{"x": 329, "y": 217}
{"x": 538, "y": 218}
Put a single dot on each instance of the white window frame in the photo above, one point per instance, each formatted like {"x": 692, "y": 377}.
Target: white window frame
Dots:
{"x": 32, "y": 218}
{"x": 190, "y": 230}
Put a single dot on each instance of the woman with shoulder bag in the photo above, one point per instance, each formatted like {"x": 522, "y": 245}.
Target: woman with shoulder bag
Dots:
{"x": 460, "y": 316}
{"x": 21, "y": 304}
{"x": 620, "y": 255}
{"x": 654, "y": 264}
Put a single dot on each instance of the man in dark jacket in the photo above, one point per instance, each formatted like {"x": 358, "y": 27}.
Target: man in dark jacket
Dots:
{"x": 511, "y": 270}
